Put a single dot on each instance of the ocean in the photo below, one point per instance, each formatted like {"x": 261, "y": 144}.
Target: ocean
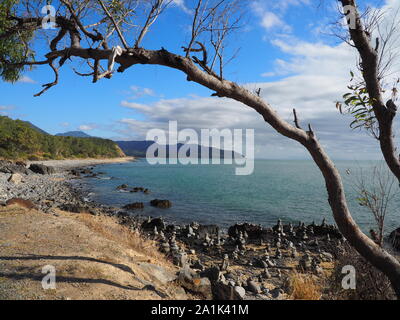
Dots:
{"x": 212, "y": 194}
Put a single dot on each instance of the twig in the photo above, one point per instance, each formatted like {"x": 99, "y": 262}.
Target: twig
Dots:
{"x": 115, "y": 24}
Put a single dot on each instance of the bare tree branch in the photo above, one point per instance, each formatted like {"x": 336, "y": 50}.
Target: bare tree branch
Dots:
{"x": 115, "y": 24}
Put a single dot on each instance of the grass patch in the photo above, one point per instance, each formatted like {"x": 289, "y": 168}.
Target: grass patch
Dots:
{"x": 112, "y": 230}
{"x": 304, "y": 287}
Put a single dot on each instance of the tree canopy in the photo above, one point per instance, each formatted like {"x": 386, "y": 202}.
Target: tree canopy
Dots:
{"x": 18, "y": 140}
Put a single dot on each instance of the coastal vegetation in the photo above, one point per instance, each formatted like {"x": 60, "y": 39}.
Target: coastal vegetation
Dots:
{"x": 18, "y": 140}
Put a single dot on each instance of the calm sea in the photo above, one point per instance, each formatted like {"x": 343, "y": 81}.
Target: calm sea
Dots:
{"x": 290, "y": 190}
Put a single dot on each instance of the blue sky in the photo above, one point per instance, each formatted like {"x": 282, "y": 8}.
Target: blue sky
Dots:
{"x": 284, "y": 49}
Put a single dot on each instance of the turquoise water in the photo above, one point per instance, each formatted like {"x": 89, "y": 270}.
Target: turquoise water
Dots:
{"x": 290, "y": 190}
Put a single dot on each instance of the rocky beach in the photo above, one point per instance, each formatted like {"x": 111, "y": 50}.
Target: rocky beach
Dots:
{"x": 245, "y": 261}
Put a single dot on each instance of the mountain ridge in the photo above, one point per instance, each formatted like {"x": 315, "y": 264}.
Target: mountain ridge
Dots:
{"x": 76, "y": 134}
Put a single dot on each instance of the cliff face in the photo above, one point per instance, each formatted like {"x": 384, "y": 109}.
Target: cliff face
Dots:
{"x": 120, "y": 152}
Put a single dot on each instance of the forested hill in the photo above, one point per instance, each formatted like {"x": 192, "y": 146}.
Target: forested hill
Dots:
{"x": 19, "y": 140}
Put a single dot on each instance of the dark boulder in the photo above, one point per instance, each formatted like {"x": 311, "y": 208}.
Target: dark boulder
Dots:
{"x": 170, "y": 228}
{"x": 212, "y": 273}
{"x": 211, "y": 229}
{"x": 324, "y": 230}
{"x": 161, "y": 203}
{"x": 41, "y": 169}
{"x": 156, "y": 222}
{"x": 222, "y": 291}
{"x": 133, "y": 206}
{"x": 122, "y": 187}
{"x": 10, "y": 167}
{"x": 75, "y": 173}
{"x": 252, "y": 230}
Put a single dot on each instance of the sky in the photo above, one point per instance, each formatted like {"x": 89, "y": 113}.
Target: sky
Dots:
{"x": 285, "y": 47}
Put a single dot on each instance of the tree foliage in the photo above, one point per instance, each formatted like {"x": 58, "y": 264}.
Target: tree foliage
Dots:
{"x": 359, "y": 105}
{"x": 14, "y": 46}
{"x": 18, "y": 140}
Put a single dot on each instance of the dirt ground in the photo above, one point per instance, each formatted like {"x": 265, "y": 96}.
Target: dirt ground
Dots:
{"x": 94, "y": 258}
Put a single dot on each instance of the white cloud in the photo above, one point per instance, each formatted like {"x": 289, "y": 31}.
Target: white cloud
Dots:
{"x": 87, "y": 127}
{"x": 181, "y": 4}
{"x": 272, "y": 13}
{"x": 271, "y": 20}
{"x": 315, "y": 76}
{"x": 26, "y": 79}
{"x": 139, "y": 92}
{"x": 4, "y": 110}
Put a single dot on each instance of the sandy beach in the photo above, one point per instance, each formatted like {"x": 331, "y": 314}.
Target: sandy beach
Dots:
{"x": 73, "y": 163}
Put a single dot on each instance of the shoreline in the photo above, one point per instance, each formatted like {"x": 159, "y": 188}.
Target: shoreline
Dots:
{"x": 247, "y": 262}
{"x": 244, "y": 262}
{"x": 79, "y": 163}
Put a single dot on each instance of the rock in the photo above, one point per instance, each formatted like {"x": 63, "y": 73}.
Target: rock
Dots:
{"x": 189, "y": 280}
{"x": 269, "y": 263}
{"x": 122, "y": 187}
{"x": 180, "y": 259}
{"x": 222, "y": 291}
{"x": 225, "y": 263}
{"x": 75, "y": 173}
{"x": 161, "y": 203}
{"x": 278, "y": 228}
{"x": 266, "y": 274}
{"x": 198, "y": 265}
{"x": 9, "y": 167}
{"x": 253, "y": 286}
{"x": 325, "y": 229}
{"x": 306, "y": 262}
{"x": 253, "y": 231}
{"x": 41, "y": 169}
{"x": 165, "y": 247}
{"x": 74, "y": 208}
{"x": 394, "y": 238}
{"x": 326, "y": 256}
{"x": 86, "y": 171}
{"x": 15, "y": 178}
{"x": 21, "y": 163}
{"x": 156, "y": 222}
{"x": 210, "y": 230}
{"x": 259, "y": 263}
{"x": 27, "y": 204}
{"x": 276, "y": 293}
{"x": 212, "y": 273}
{"x": 133, "y": 206}
{"x": 240, "y": 291}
